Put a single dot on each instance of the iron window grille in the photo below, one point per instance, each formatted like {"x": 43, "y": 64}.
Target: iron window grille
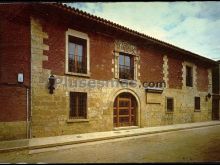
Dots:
{"x": 197, "y": 103}
{"x": 78, "y": 105}
{"x": 169, "y": 104}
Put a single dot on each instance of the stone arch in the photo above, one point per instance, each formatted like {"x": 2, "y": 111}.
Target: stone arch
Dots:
{"x": 114, "y": 95}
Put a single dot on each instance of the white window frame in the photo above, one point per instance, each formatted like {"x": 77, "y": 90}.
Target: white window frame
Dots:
{"x": 74, "y": 33}
{"x": 194, "y": 75}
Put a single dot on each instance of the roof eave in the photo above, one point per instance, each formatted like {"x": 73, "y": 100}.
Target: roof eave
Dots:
{"x": 130, "y": 31}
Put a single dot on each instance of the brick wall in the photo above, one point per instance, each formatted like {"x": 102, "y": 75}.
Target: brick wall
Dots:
{"x": 15, "y": 58}
{"x": 101, "y": 50}
{"x": 15, "y": 46}
{"x": 202, "y": 79}
{"x": 13, "y": 104}
{"x": 151, "y": 65}
{"x": 56, "y": 43}
{"x": 174, "y": 73}
{"x": 101, "y": 56}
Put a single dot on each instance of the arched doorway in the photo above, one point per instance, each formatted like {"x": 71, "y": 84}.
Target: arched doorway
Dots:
{"x": 125, "y": 110}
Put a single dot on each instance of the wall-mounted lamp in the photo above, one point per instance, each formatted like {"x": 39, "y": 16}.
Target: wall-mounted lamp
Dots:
{"x": 208, "y": 96}
{"x": 51, "y": 84}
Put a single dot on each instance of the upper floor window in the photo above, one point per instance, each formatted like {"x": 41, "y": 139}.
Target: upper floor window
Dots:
{"x": 126, "y": 61}
{"x": 126, "y": 66}
{"x": 189, "y": 76}
{"x": 77, "y": 53}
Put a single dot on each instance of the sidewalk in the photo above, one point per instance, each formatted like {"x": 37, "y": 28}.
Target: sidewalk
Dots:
{"x": 39, "y": 144}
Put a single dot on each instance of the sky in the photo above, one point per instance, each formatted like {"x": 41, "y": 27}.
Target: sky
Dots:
{"x": 194, "y": 26}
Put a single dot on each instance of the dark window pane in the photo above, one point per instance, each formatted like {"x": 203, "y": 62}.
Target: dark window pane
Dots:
{"x": 169, "y": 104}
{"x": 71, "y": 48}
{"x": 189, "y": 78}
{"x": 80, "y": 50}
{"x": 197, "y": 103}
{"x": 121, "y": 60}
{"x": 127, "y": 61}
{"x": 78, "y": 105}
{"x": 126, "y": 70}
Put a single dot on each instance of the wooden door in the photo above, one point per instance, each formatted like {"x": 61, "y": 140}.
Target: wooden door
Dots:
{"x": 124, "y": 112}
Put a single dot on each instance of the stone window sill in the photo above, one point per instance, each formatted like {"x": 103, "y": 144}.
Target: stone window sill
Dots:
{"x": 127, "y": 80}
{"x": 169, "y": 112}
{"x": 197, "y": 110}
{"x": 189, "y": 87}
{"x": 78, "y": 74}
{"x": 77, "y": 120}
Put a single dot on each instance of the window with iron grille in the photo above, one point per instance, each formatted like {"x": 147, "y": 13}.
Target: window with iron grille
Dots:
{"x": 78, "y": 105}
{"x": 169, "y": 104}
{"x": 77, "y": 62}
{"x": 197, "y": 103}
{"x": 126, "y": 66}
{"x": 189, "y": 78}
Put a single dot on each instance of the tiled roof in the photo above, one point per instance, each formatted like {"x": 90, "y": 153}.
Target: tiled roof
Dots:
{"x": 125, "y": 29}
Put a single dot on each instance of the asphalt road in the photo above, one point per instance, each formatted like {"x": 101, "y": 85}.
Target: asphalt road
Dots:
{"x": 194, "y": 145}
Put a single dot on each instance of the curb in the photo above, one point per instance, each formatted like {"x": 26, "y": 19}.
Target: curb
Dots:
{"x": 58, "y": 144}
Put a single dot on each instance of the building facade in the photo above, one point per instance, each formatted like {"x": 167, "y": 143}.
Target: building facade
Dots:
{"x": 64, "y": 71}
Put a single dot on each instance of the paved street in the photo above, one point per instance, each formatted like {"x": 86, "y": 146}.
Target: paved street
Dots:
{"x": 200, "y": 144}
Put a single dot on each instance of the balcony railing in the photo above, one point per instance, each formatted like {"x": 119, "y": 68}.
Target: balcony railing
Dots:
{"x": 126, "y": 72}
{"x": 77, "y": 66}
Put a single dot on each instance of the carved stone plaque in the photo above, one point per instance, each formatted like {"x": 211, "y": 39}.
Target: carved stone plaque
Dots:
{"x": 125, "y": 47}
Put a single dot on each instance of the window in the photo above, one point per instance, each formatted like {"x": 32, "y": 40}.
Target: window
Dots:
{"x": 126, "y": 67}
{"x": 169, "y": 104}
{"x": 77, "y": 55}
{"x": 78, "y": 105}
{"x": 189, "y": 78}
{"x": 197, "y": 104}
{"x": 126, "y": 61}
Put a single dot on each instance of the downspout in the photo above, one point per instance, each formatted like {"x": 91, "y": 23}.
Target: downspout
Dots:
{"x": 27, "y": 128}
{"x": 30, "y": 106}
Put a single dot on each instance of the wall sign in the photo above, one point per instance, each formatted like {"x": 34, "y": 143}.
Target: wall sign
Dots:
{"x": 20, "y": 77}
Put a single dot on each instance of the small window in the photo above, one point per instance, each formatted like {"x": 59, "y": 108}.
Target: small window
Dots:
{"x": 169, "y": 104}
{"x": 197, "y": 103}
{"x": 78, "y": 105}
{"x": 126, "y": 67}
{"x": 77, "y": 62}
{"x": 189, "y": 77}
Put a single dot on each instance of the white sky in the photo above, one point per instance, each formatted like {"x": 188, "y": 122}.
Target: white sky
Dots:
{"x": 194, "y": 26}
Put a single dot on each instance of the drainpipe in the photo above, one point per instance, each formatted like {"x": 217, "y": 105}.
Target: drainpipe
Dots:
{"x": 27, "y": 125}
{"x": 30, "y": 75}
